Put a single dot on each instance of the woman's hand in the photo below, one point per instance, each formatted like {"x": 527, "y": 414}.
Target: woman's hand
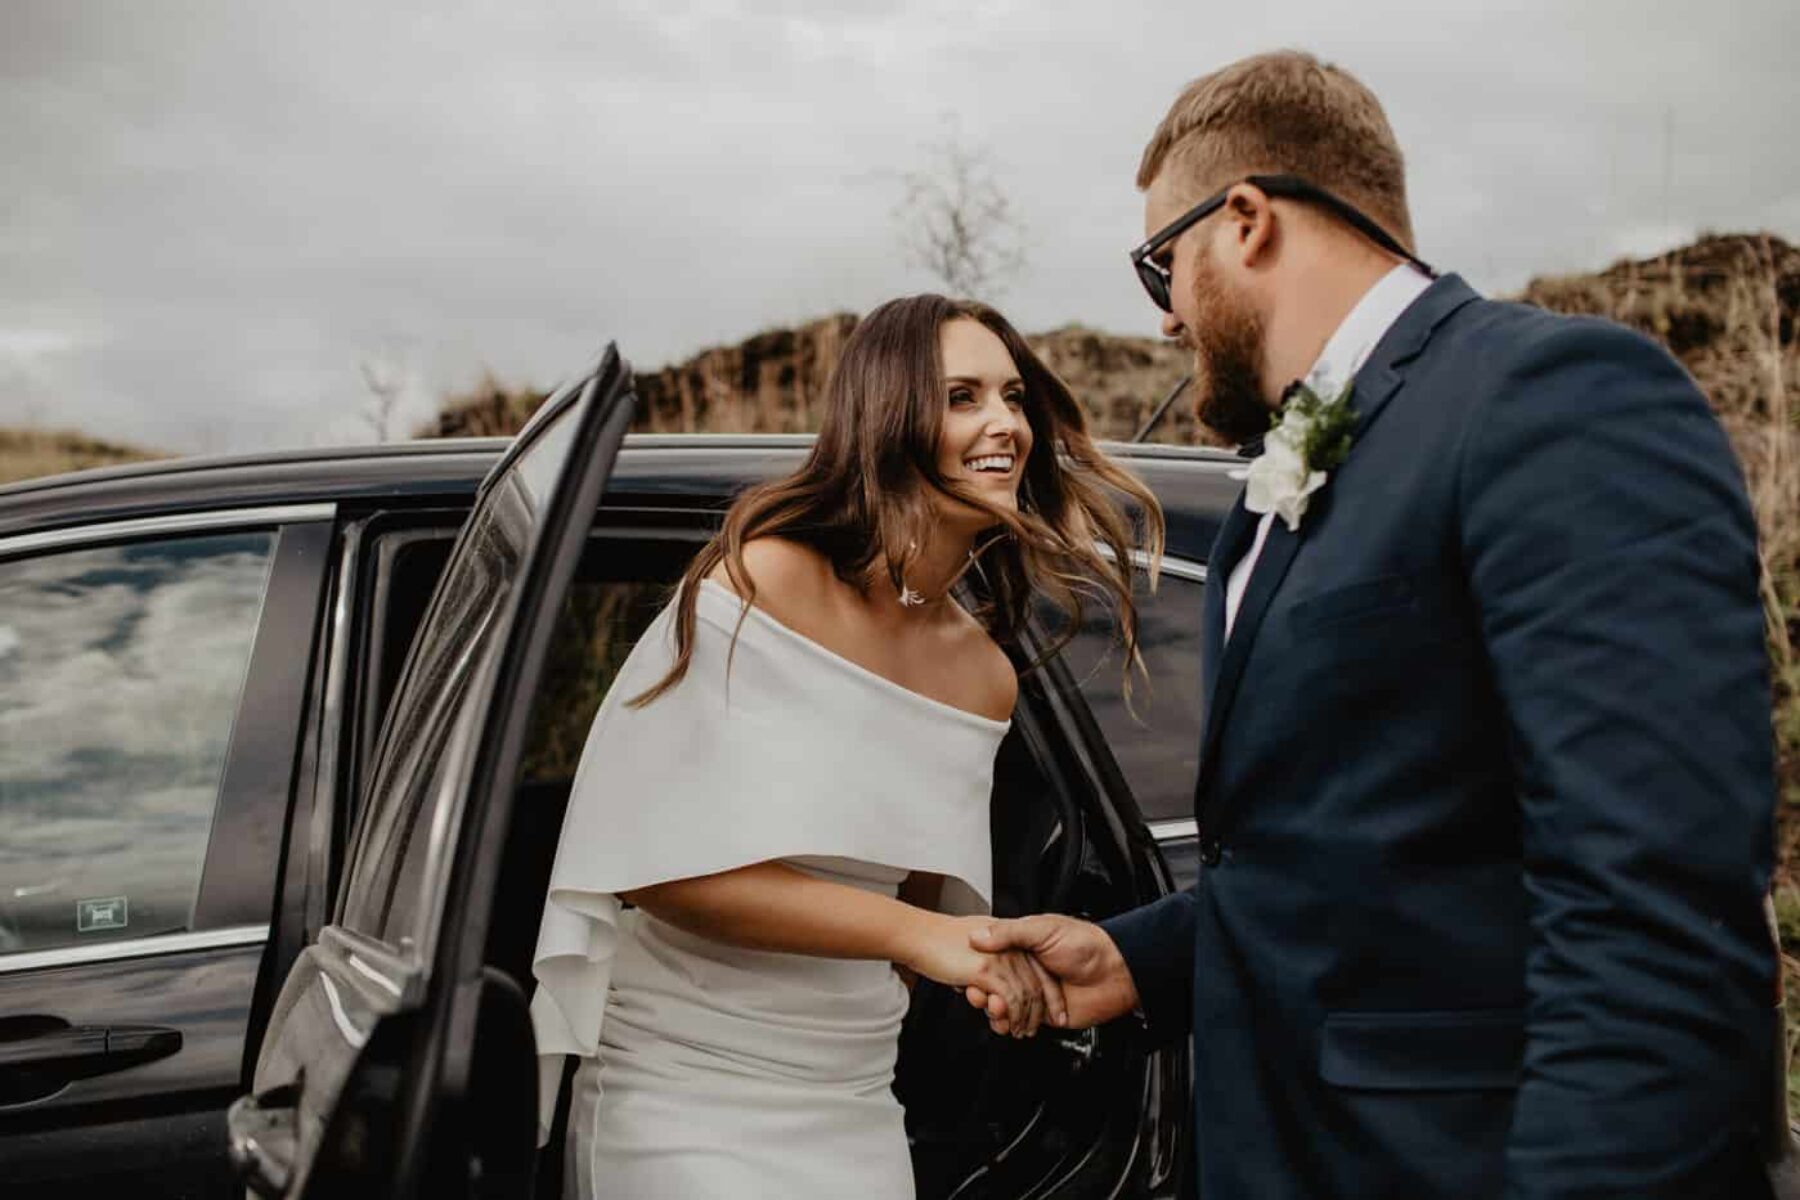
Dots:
{"x": 773, "y": 906}
{"x": 1018, "y": 995}
{"x": 1093, "y": 980}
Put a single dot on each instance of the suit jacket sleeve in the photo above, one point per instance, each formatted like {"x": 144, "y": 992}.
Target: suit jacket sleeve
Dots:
{"x": 1157, "y": 942}
{"x": 1612, "y": 557}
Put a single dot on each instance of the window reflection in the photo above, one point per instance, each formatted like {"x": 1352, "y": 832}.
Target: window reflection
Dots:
{"x": 120, "y": 673}
{"x": 1159, "y": 748}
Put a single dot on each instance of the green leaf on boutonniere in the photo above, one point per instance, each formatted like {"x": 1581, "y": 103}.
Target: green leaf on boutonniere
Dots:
{"x": 1329, "y": 426}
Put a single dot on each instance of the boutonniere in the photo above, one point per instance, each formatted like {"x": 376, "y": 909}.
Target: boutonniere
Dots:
{"x": 1311, "y": 438}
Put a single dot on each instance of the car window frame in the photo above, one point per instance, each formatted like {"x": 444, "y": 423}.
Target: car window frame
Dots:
{"x": 237, "y": 881}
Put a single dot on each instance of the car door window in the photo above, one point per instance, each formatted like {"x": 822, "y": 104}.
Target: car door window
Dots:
{"x": 121, "y": 669}
{"x": 600, "y": 623}
{"x": 1159, "y": 748}
{"x": 400, "y": 844}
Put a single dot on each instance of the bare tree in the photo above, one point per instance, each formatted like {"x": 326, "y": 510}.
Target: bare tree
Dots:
{"x": 386, "y": 377}
{"x": 956, "y": 222}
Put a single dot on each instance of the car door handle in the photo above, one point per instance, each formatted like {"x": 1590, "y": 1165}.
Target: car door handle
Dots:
{"x": 91, "y": 1049}
{"x": 40, "y": 1054}
{"x": 263, "y": 1130}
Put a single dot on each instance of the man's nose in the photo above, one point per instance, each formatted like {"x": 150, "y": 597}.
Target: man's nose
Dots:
{"x": 1171, "y": 326}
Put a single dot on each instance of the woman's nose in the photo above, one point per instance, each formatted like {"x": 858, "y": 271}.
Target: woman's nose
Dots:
{"x": 1004, "y": 418}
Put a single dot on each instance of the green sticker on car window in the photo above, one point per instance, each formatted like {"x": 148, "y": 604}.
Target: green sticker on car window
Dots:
{"x": 96, "y": 916}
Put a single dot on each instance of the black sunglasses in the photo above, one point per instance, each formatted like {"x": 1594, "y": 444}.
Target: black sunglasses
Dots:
{"x": 1156, "y": 278}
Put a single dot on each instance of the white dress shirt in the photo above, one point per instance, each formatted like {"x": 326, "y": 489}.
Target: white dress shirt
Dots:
{"x": 1338, "y": 363}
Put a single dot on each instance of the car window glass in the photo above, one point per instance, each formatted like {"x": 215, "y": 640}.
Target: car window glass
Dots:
{"x": 600, "y": 622}
{"x": 1159, "y": 748}
{"x": 414, "y": 785}
{"x": 121, "y": 669}
{"x": 408, "y": 565}
{"x": 620, "y": 587}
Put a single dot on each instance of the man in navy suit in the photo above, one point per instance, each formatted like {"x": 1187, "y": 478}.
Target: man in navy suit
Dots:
{"x": 1486, "y": 793}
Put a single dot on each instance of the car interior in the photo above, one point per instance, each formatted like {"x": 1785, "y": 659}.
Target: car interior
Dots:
{"x": 985, "y": 1115}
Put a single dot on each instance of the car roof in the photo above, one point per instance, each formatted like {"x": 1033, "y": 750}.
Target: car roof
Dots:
{"x": 688, "y": 470}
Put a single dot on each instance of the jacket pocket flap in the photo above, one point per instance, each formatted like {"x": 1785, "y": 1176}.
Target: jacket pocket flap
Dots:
{"x": 1416, "y": 1051}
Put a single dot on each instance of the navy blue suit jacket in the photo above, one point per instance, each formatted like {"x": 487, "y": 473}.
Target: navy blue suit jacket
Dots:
{"x": 1488, "y": 770}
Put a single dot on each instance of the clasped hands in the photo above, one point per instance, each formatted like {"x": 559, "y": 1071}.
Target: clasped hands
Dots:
{"x": 1051, "y": 968}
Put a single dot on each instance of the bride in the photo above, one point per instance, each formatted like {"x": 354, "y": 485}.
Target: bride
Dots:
{"x": 780, "y": 818}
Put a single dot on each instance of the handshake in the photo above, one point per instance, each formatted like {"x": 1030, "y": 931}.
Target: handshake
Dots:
{"x": 1047, "y": 968}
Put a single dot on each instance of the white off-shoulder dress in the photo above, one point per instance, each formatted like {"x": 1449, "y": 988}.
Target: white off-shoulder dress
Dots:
{"x": 706, "y": 1069}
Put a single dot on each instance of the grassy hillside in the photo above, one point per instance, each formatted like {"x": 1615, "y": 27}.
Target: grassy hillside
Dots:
{"x": 28, "y": 453}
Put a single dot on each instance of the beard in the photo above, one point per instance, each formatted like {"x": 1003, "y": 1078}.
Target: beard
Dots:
{"x": 1228, "y": 351}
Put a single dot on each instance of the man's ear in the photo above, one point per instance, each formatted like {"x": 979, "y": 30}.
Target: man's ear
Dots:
{"x": 1251, "y": 218}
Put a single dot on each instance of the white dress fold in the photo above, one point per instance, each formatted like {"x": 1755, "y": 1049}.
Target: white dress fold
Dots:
{"x": 706, "y": 1069}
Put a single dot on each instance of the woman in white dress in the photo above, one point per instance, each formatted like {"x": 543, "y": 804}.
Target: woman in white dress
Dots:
{"x": 781, "y": 814}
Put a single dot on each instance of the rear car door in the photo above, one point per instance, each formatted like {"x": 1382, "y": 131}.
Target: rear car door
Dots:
{"x": 151, "y": 676}
{"x": 389, "y": 1034}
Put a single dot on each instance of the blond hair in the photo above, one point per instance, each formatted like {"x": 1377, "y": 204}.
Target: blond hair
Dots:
{"x": 1285, "y": 112}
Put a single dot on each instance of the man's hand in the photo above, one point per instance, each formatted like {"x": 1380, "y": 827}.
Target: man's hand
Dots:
{"x": 1016, "y": 991}
{"x": 1096, "y": 984}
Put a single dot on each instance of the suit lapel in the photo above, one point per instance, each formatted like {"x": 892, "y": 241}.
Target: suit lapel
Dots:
{"x": 1376, "y": 383}
{"x": 1234, "y": 538}
{"x": 1381, "y": 376}
{"x": 1265, "y": 577}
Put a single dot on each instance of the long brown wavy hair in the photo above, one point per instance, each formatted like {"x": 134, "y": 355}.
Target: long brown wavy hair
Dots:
{"x": 864, "y": 495}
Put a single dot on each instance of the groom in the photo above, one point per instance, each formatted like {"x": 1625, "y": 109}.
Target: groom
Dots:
{"x": 1485, "y": 796}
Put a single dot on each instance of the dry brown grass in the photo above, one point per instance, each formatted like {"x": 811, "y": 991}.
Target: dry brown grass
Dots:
{"x": 30, "y": 453}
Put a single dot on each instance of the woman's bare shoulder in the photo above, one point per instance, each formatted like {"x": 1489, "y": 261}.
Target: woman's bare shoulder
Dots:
{"x": 791, "y": 579}
{"x": 992, "y": 677}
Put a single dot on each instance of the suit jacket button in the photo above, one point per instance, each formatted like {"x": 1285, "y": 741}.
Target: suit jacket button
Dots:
{"x": 1210, "y": 852}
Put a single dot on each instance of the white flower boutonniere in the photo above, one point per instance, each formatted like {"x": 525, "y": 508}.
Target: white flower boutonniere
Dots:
{"x": 1309, "y": 440}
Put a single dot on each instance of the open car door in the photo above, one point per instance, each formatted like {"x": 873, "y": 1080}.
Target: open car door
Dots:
{"x": 394, "y": 1064}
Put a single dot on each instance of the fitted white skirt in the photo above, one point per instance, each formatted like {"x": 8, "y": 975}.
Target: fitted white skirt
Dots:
{"x": 741, "y": 1073}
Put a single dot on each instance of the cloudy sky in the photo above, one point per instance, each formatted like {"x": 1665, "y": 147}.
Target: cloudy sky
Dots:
{"x": 213, "y": 216}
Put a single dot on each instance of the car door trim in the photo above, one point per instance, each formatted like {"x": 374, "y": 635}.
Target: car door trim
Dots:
{"x": 167, "y": 943}
{"x": 1180, "y": 568}
{"x": 109, "y": 531}
{"x": 1174, "y": 831}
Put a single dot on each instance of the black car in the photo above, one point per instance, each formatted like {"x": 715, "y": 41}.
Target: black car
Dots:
{"x": 284, "y": 747}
